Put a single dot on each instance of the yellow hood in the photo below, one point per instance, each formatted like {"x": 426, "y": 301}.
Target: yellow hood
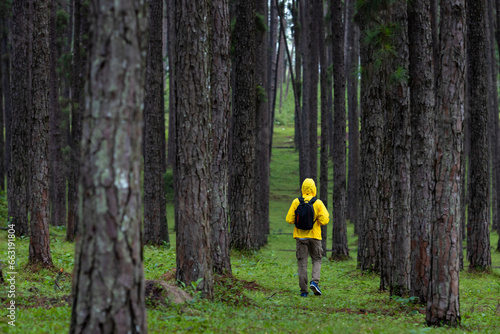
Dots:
{"x": 308, "y": 188}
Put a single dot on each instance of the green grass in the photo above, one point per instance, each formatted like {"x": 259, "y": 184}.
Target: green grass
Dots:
{"x": 264, "y": 298}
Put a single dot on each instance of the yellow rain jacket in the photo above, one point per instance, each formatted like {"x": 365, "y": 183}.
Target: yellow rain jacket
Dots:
{"x": 322, "y": 216}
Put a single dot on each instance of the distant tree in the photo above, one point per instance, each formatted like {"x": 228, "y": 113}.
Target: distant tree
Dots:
{"x": 155, "y": 218}
{"x": 109, "y": 252}
{"x": 17, "y": 188}
{"x": 243, "y": 142}
{"x": 478, "y": 236}
{"x": 39, "y": 249}
{"x": 443, "y": 306}
{"x": 422, "y": 109}
{"x": 57, "y": 136}
{"x": 340, "y": 250}
{"x": 170, "y": 5}
{"x": 221, "y": 110}
{"x": 351, "y": 66}
{"x": 79, "y": 77}
{"x": 193, "y": 149}
{"x": 309, "y": 115}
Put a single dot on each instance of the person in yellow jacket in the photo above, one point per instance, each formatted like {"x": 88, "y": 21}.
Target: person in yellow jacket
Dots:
{"x": 309, "y": 241}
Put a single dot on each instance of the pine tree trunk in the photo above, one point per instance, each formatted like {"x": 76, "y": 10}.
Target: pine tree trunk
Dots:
{"x": 109, "y": 251}
{"x": 443, "y": 307}
{"x": 17, "y": 189}
{"x": 353, "y": 117}
{"x": 221, "y": 111}
{"x": 79, "y": 77}
{"x": 2, "y": 142}
{"x": 39, "y": 249}
{"x": 422, "y": 104}
{"x": 325, "y": 90}
{"x": 57, "y": 165}
{"x": 372, "y": 122}
{"x": 193, "y": 155}
{"x": 493, "y": 113}
{"x": 399, "y": 98}
{"x": 241, "y": 186}
{"x": 309, "y": 125}
{"x": 261, "y": 189}
{"x": 171, "y": 75}
{"x": 155, "y": 219}
{"x": 6, "y": 71}
{"x": 340, "y": 250}
{"x": 478, "y": 236}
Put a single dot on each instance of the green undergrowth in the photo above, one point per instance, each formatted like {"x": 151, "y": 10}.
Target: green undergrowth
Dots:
{"x": 263, "y": 294}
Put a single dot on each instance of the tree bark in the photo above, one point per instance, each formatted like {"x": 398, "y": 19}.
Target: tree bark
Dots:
{"x": 221, "y": 111}
{"x": 39, "y": 249}
{"x": 155, "y": 218}
{"x": 6, "y": 71}
{"x": 478, "y": 236}
{"x": 56, "y": 165}
{"x": 2, "y": 142}
{"x": 422, "y": 104}
{"x": 79, "y": 77}
{"x": 325, "y": 90}
{"x": 261, "y": 184}
{"x": 17, "y": 189}
{"x": 340, "y": 249}
{"x": 108, "y": 281}
{"x": 241, "y": 201}
{"x": 171, "y": 75}
{"x": 443, "y": 306}
{"x": 399, "y": 99}
{"x": 372, "y": 124}
{"x": 351, "y": 60}
{"x": 193, "y": 155}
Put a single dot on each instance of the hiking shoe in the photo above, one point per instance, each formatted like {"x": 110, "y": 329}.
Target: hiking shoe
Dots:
{"x": 315, "y": 288}
{"x": 304, "y": 294}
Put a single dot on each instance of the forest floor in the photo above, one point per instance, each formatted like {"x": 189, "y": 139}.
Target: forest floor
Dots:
{"x": 263, "y": 295}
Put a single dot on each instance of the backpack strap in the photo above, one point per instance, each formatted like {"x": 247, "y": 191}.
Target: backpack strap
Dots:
{"x": 312, "y": 200}
{"x": 301, "y": 200}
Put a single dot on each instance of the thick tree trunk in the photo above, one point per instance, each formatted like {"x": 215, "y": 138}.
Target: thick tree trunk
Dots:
{"x": 155, "y": 219}
{"x": 57, "y": 165}
{"x": 372, "y": 125}
{"x": 261, "y": 184}
{"x": 399, "y": 98}
{"x": 39, "y": 250}
{"x": 443, "y": 306}
{"x": 221, "y": 111}
{"x": 340, "y": 250}
{"x": 109, "y": 251}
{"x": 17, "y": 189}
{"x": 478, "y": 236}
{"x": 241, "y": 201}
{"x": 193, "y": 155}
{"x": 422, "y": 104}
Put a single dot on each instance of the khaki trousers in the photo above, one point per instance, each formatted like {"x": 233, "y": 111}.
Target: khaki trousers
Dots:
{"x": 304, "y": 248}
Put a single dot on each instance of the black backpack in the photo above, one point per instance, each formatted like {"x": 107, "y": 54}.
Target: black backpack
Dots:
{"x": 304, "y": 214}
